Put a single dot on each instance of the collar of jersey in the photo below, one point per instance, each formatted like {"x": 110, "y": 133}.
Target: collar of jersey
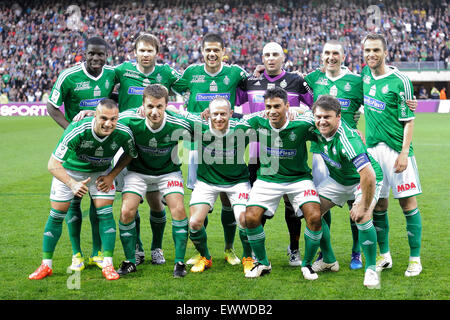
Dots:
{"x": 277, "y": 77}
{"x": 213, "y": 74}
{"x": 145, "y": 74}
{"x": 343, "y": 72}
{"x": 391, "y": 70}
{"x": 160, "y": 127}
{"x": 283, "y": 127}
{"x": 83, "y": 67}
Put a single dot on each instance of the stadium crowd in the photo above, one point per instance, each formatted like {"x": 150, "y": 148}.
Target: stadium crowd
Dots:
{"x": 40, "y": 39}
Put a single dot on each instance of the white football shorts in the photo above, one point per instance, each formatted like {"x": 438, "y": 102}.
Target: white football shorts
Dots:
{"x": 60, "y": 192}
{"x": 404, "y": 184}
{"x": 339, "y": 194}
{"x": 268, "y": 195}
{"x": 140, "y": 184}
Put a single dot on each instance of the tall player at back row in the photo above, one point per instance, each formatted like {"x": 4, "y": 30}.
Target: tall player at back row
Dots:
{"x": 204, "y": 82}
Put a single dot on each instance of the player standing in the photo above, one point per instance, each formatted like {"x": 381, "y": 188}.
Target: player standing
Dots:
{"x": 133, "y": 77}
{"x": 80, "y": 88}
{"x": 389, "y": 131}
{"x": 206, "y": 81}
{"x": 336, "y": 80}
{"x": 252, "y": 90}
{"x": 157, "y": 168}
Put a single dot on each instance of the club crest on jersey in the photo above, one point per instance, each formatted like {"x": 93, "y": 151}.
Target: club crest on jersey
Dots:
{"x": 158, "y": 78}
{"x": 385, "y": 89}
{"x": 226, "y": 80}
{"x": 347, "y": 87}
{"x": 292, "y": 136}
{"x": 152, "y": 143}
{"x": 114, "y": 146}
{"x": 106, "y": 84}
{"x": 366, "y": 79}
{"x": 283, "y": 84}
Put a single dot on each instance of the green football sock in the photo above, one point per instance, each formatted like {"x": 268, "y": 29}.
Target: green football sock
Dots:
{"x": 157, "y": 224}
{"x": 381, "y": 223}
{"x": 180, "y": 237}
{"x": 52, "y": 232}
{"x": 368, "y": 242}
{"x": 138, "y": 231}
{"x": 74, "y": 218}
{"x": 200, "y": 241}
{"x": 127, "y": 233}
{"x": 107, "y": 228}
{"x": 247, "y": 249}
{"x": 312, "y": 243}
{"x": 325, "y": 244}
{"x": 414, "y": 230}
{"x": 96, "y": 239}
{"x": 356, "y": 247}
{"x": 257, "y": 239}
{"x": 229, "y": 226}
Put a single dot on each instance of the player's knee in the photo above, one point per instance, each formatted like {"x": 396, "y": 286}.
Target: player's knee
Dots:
{"x": 127, "y": 214}
{"x": 252, "y": 218}
{"x": 382, "y": 205}
{"x": 195, "y": 223}
{"x": 177, "y": 210}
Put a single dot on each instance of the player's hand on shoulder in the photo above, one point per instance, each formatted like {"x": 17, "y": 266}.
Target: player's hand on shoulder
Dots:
{"x": 205, "y": 115}
{"x": 83, "y": 114}
{"x": 259, "y": 70}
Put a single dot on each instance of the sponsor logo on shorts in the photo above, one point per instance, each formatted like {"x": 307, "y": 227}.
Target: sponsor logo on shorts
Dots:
{"x": 243, "y": 195}
{"x": 174, "y": 183}
{"x": 406, "y": 187}
{"x": 309, "y": 193}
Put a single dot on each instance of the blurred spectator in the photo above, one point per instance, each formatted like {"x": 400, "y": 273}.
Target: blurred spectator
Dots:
{"x": 443, "y": 95}
{"x": 434, "y": 93}
{"x": 423, "y": 93}
{"x": 40, "y": 39}
{"x": 4, "y": 98}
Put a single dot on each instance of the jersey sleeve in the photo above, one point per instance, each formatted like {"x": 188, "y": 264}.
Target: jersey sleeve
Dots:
{"x": 305, "y": 91}
{"x": 59, "y": 91}
{"x": 174, "y": 77}
{"x": 68, "y": 141}
{"x": 405, "y": 92}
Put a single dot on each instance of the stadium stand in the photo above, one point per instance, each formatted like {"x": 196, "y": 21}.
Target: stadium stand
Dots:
{"x": 39, "y": 39}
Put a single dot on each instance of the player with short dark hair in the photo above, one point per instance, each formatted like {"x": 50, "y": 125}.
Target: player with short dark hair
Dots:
{"x": 79, "y": 162}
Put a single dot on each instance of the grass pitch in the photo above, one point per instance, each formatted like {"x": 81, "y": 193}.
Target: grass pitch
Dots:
{"x": 26, "y": 144}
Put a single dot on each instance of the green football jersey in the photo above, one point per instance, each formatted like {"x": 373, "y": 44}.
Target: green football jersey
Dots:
{"x": 80, "y": 149}
{"x": 79, "y": 90}
{"x": 385, "y": 108}
{"x": 221, "y": 158}
{"x": 347, "y": 87}
{"x": 204, "y": 87}
{"x": 157, "y": 149}
{"x": 345, "y": 154}
{"x": 132, "y": 82}
{"x": 283, "y": 152}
